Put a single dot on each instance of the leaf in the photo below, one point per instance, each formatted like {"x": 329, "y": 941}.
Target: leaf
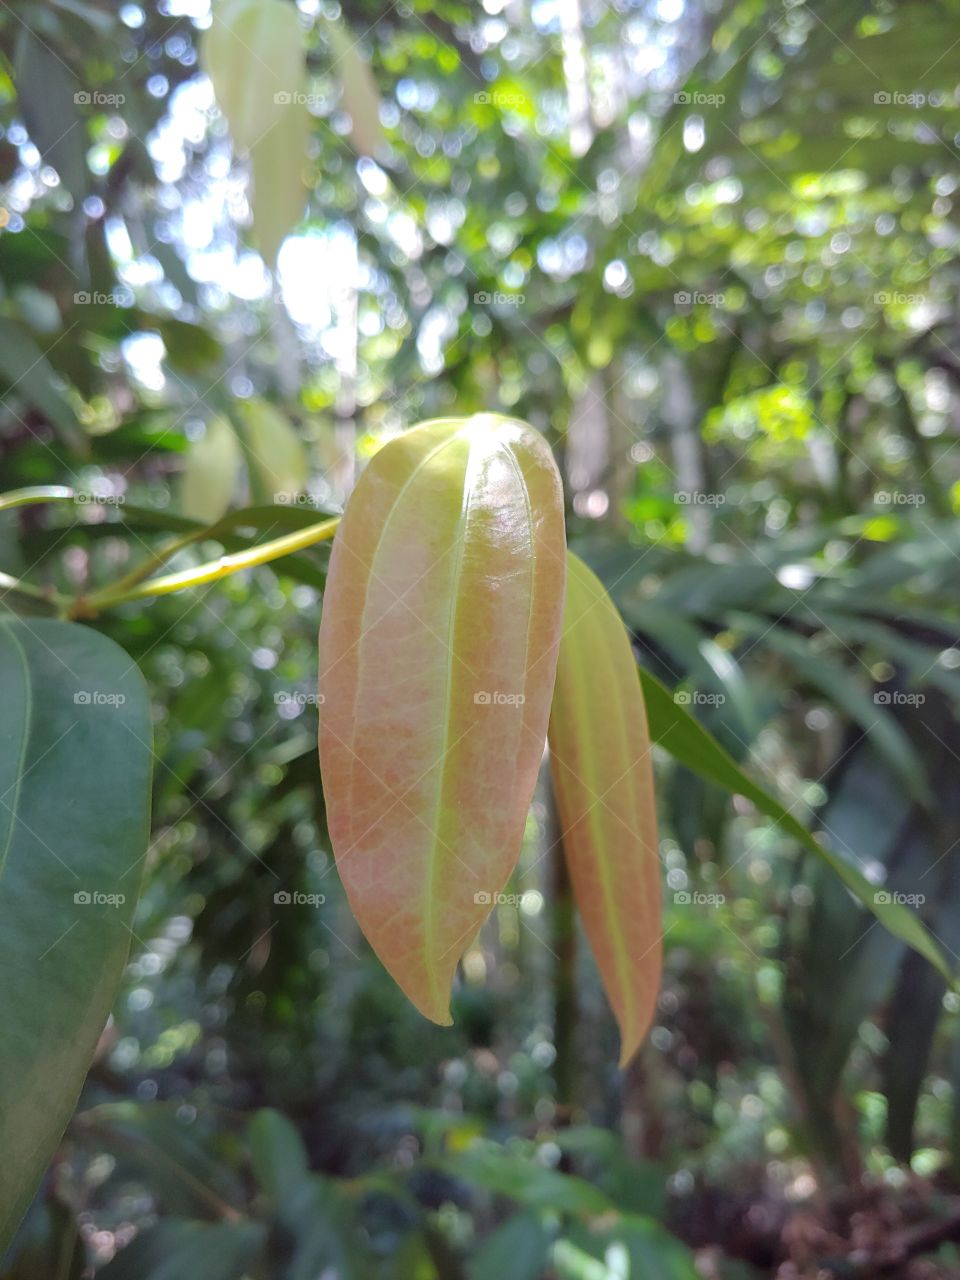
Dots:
{"x": 826, "y": 674}
{"x": 438, "y": 648}
{"x": 642, "y": 1247}
{"x": 210, "y": 476}
{"x": 525, "y": 1180}
{"x": 31, "y": 375}
{"x": 254, "y": 54}
{"x": 360, "y": 96}
{"x": 516, "y": 1251}
{"x": 278, "y": 1155}
{"x": 189, "y": 347}
{"x": 175, "y": 1248}
{"x": 274, "y": 450}
{"x": 602, "y": 769}
{"x": 279, "y": 193}
{"x": 48, "y": 95}
{"x": 673, "y": 728}
{"x": 75, "y": 762}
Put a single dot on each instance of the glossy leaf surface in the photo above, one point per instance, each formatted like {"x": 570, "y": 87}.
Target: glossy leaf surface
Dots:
{"x": 602, "y": 773}
{"x": 438, "y": 644}
{"x": 75, "y": 765}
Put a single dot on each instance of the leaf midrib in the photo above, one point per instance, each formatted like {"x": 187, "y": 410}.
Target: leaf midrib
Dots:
{"x": 21, "y": 760}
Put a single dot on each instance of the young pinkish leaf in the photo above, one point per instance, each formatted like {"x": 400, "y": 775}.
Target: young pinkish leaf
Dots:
{"x": 438, "y": 648}
{"x": 603, "y": 779}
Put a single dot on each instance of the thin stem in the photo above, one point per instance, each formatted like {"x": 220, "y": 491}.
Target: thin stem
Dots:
{"x": 9, "y": 583}
{"x": 209, "y": 572}
{"x": 34, "y": 494}
{"x": 160, "y": 556}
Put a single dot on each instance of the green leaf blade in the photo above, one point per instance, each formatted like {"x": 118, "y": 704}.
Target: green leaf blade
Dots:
{"x": 75, "y": 768}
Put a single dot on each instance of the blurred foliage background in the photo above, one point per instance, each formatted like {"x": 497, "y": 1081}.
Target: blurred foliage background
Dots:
{"x": 709, "y": 248}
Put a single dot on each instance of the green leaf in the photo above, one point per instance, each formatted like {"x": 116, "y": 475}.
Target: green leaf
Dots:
{"x": 210, "y": 476}
{"x": 174, "y": 1249}
{"x": 49, "y": 96}
{"x": 643, "y": 1248}
{"x": 525, "y": 1180}
{"x": 516, "y": 1251}
{"x": 254, "y": 54}
{"x": 840, "y": 685}
{"x": 31, "y": 376}
{"x": 279, "y": 192}
{"x": 274, "y": 450}
{"x": 674, "y": 729}
{"x": 360, "y": 97}
{"x": 278, "y": 1154}
{"x": 75, "y": 765}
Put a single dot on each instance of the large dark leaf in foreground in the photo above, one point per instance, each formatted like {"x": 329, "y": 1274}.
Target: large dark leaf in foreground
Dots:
{"x": 75, "y": 762}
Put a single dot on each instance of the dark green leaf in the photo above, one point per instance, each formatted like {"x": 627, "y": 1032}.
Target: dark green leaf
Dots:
{"x": 75, "y": 764}
{"x": 673, "y": 728}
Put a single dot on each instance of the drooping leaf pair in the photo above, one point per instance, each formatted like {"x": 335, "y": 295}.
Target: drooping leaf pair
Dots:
{"x": 439, "y": 647}
{"x": 255, "y": 55}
